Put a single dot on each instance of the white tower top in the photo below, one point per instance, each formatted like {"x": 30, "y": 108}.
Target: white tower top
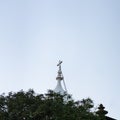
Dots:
{"x": 59, "y": 78}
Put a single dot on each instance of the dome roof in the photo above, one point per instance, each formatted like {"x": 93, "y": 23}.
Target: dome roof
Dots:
{"x": 59, "y": 88}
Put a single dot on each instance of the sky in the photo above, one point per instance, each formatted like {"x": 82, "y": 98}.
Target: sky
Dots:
{"x": 84, "y": 34}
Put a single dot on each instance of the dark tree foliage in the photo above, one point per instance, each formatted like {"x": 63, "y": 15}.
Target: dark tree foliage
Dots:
{"x": 51, "y": 106}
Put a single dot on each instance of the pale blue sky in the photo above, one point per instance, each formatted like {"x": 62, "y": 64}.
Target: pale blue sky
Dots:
{"x": 35, "y": 34}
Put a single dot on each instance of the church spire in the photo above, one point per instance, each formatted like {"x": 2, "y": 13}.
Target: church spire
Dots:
{"x": 59, "y": 78}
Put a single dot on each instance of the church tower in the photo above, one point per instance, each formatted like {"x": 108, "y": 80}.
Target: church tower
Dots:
{"x": 59, "y": 78}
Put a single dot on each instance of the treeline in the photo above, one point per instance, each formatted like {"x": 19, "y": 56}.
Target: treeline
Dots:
{"x": 50, "y": 106}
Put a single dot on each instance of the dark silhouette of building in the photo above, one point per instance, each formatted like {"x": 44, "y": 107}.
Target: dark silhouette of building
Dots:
{"x": 102, "y": 113}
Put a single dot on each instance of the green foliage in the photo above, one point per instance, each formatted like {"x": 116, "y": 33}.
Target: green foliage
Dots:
{"x": 51, "y": 106}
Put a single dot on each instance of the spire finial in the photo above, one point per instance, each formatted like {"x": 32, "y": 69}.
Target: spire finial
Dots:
{"x": 59, "y": 77}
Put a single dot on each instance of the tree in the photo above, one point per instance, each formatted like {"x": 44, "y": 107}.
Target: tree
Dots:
{"x": 50, "y": 106}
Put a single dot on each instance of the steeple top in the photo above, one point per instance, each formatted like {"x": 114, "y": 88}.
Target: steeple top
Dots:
{"x": 59, "y": 76}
